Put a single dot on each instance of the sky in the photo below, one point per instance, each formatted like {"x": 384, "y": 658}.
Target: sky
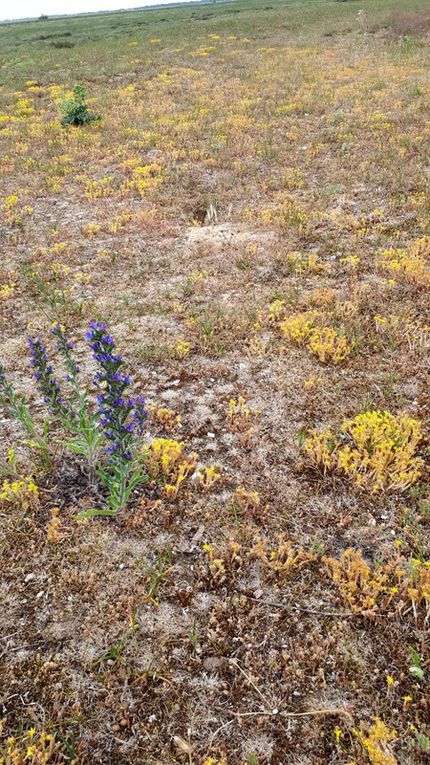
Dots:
{"x": 21, "y": 9}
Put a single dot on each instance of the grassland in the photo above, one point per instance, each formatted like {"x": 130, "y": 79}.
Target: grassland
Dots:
{"x": 250, "y": 216}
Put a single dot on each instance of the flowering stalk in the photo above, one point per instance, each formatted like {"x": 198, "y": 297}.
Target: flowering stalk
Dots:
{"x": 121, "y": 418}
{"x": 79, "y": 423}
{"x": 46, "y": 381}
{"x": 65, "y": 347}
{"x": 84, "y": 426}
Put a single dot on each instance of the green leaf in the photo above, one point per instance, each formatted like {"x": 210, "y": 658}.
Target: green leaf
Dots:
{"x": 94, "y": 511}
{"x": 75, "y": 447}
{"x": 417, "y": 672}
{"x": 423, "y": 742}
{"x": 416, "y": 669}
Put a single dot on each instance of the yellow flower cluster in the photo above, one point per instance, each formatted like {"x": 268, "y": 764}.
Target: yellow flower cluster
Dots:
{"x": 359, "y": 586}
{"x": 283, "y": 559}
{"x": 298, "y": 327}
{"x": 417, "y": 583}
{"x": 144, "y": 178}
{"x": 10, "y": 203}
{"x": 6, "y": 290}
{"x": 118, "y": 222}
{"x": 292, "y": 215}
{"x": 376, "y": 743}
{"x": 161, "y": 457}
{"x": 225, "y": 562}
{"x": 180, "y": 349}
{"x": 411, "y": 265}
{"x": 326, "y": 343}
{"x": 207, "y": 476}
{"x": 166, "y": 461}
{"x": 163, "y": 416}
{"x": 301, "y": 263}
{"x": 31, "y": 748}
{"x": 276, "y": 310}
{"x": 238, "y": 414}
{"x": 392, "y": 584}
{"x": 377, "y": 450}
{"x": 96, "y": 189}
{"x": 23, "y": 493}
{"x": 293, "y": 179}
{"x": 350, "y": 260}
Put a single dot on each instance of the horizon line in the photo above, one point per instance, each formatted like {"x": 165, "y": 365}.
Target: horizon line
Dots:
{"x": 150, "y": 6}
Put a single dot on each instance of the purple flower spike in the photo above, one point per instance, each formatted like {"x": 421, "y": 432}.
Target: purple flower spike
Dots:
{"x": 43, "y": 373}
{"x": 122, "y": 418}
{"x": 65, "y": 347}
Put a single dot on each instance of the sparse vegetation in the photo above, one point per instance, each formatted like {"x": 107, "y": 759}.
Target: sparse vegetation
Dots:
{"x": 250, "y": 218}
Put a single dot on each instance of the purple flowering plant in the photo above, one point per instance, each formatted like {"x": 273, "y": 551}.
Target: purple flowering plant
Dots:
{"x": 121, "y": 419}
{"x": 108, "y": 432}
{"x": 77, "y": 416}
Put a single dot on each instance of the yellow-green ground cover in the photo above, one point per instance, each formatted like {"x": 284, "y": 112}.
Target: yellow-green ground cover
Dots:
{"x": 251, "y": 218}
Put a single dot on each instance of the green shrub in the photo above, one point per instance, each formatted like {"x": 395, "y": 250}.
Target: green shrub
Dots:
{"x": 62, "y": 44}
{"x": 76, "y": 111}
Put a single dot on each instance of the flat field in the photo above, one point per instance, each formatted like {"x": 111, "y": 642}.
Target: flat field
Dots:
{"x": 250, "y": 217}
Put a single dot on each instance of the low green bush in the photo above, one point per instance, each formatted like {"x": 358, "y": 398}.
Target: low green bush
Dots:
{"x": 76, "y": 111}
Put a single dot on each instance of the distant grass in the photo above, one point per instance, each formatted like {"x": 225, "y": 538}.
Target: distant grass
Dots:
{"x": 98, "y": 39}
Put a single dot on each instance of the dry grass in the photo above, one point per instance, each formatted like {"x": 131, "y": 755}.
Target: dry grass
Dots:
{"x": 251, "y": 167}
{"x": 411, "y": 24}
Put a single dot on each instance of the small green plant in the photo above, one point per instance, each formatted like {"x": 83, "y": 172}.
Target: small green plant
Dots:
{"x": 194, "y": 637}
{"x": 76, "y": 111}
{"x": 17, "y": 407}
{"x": 416, "y": 669}
{"x": 155, "y": 574}
{"x": 57, "y": 300}
{"x": 423, "y": 741}
{"x": 63, "y": 44}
